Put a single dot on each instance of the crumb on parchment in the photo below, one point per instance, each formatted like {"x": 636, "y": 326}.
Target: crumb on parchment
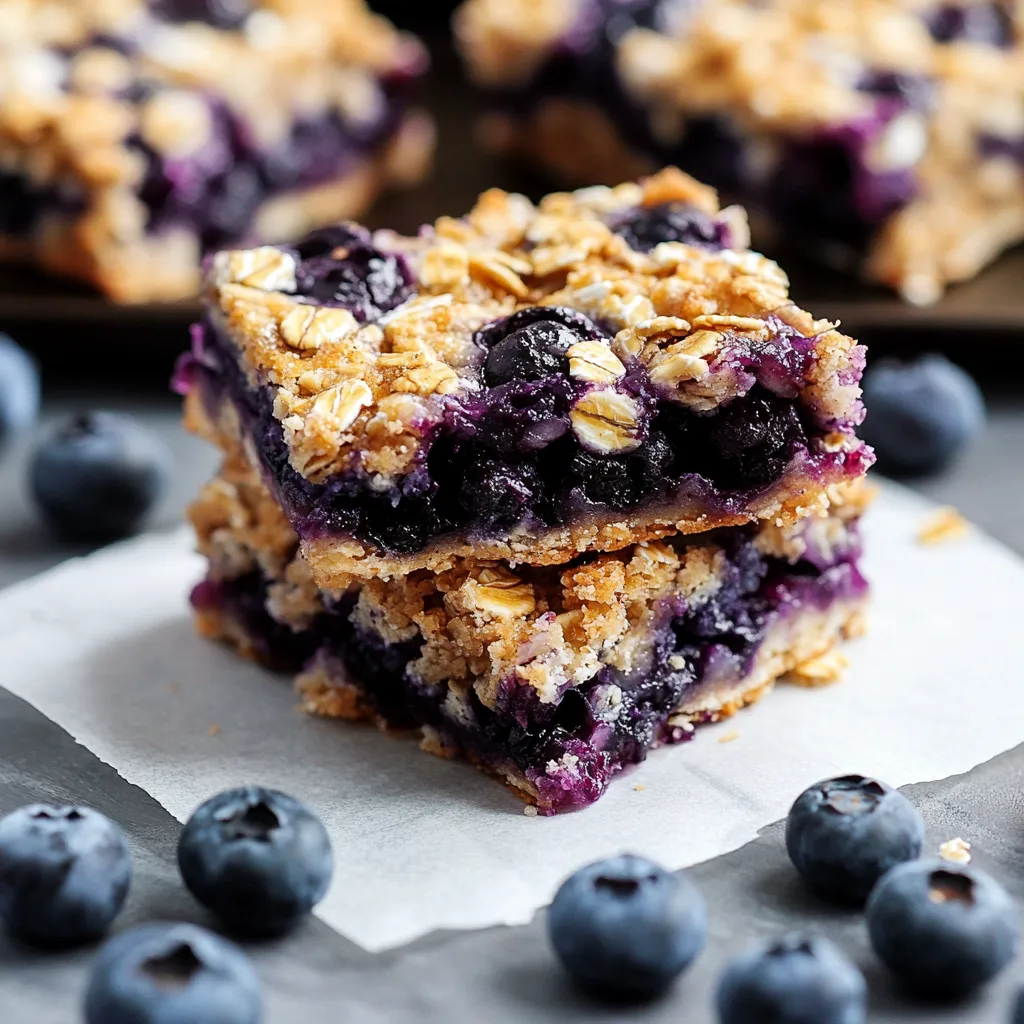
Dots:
{"x": 530, "y": 811}
{"x": 956, "y": 850}
{"x": 823, "y": 670}
{"x": 728, "y": 737}
{"x": 944, "y": 524}
{"x": 639, "y": 788}
{"x": 214, "y": 729}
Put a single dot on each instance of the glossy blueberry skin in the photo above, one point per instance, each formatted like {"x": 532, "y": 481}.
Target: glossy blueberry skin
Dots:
{"x": 627, "y": 926}
{"x": 64, "y": 873}
{"x": 921, "y": 414}
{"x": 96, "y": 475}
{"x": 19, "y": 390}
{"x": 943, "y": 929}
{"x": 649, "y": 226}
{"x": 843, "y": 834}
{"x": 794, "y": 980}
{"x": 172, "y": 974}
{"x": 1018, "y": 1009}
{"x": 259, "y": 859}
{"x": 533, "y": 352}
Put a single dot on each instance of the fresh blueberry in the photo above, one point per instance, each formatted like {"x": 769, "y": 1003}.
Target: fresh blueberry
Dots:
{"x": 794, "y": 980}
{"x": 920, "y": 414}
{"x": 259, "y": 859}
{"x": 340, "y": 266}
{"x": 844, "y": 834}
{"x": 172, "y": 974}
{"x": 943, "y": 929}
{"x": 1018, "y": 1009}
{"x": 19, "y": 390}
{"x": 531, "y": 353}
{"x": 579, "y": 323}
{"x": 96, "y": 475}
{"x": 649, "y": 226}
{"x": 64, "y": 873}
{"x": 627, "y": 926}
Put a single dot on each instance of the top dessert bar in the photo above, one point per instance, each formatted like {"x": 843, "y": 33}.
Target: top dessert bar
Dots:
{"x": 882, "y": 134}
{"x": 135, "y": 135}
{"x": 525, "y": 383}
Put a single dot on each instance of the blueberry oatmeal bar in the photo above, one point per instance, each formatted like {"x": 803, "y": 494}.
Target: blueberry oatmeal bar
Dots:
{"x": 135, "y": 135}
{"x": 882, "y": 134}
{"x": 552, "y": 678}
{"x": 524, "y": 384}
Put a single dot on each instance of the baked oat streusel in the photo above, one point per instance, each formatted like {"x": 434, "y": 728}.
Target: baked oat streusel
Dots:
{"x": 888, "y": 134}
{"x": 135, "y": 135}
{"x": 525, "y": 383}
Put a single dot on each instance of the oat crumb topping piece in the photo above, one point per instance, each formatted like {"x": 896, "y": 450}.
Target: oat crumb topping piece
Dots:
{"x": 823, "y": 670}
{"x": 942, "y": 526}
{"x": 956, "y": 850}
{"x": 729, "y": 737}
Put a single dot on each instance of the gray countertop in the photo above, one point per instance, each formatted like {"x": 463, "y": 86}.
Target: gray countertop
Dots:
{"x": 502, "y": 974}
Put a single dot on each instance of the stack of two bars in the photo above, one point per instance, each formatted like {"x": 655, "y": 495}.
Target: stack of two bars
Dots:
{"x": 550, "y": 484}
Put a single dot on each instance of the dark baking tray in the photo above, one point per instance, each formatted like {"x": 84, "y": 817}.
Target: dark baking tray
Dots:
{"x": 76, "y": 332}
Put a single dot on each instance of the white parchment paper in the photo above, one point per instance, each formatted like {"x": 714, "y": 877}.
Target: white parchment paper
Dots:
{"x": 104, "y": 647}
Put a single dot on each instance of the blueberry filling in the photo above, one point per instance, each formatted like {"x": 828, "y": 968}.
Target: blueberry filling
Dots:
{"x": 506, "y": 455}
{"x": 609, "y": 722}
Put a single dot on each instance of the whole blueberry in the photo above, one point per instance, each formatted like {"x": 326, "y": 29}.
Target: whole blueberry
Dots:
{"x": 172, "y": 974}
{"x": 943, "y": 929}
{"x": 493, "y": 489}
{"x": 794, "y": 980}
{"x": 627, "y": 926}
{"x": 649, "y": 226}
{"x": 96, "y": 475}
{"x": 843, "y": 834}
{"x": 259, "y": 859}
{"x": 920, "y": 414}
{"x": 579, "y": 323}
{"x": 19, "y": 390}
{"x": 531, "y": 353}
{"x": 64, "y": 873}
{"x": 603, "y": 480}
{"x": 1018, "y": 1009}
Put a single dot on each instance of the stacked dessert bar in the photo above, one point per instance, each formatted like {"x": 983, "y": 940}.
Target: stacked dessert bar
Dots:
{"x": 882, "y": 134}
{"x": 135, "y": 135}
{"x": 550, "y": 484}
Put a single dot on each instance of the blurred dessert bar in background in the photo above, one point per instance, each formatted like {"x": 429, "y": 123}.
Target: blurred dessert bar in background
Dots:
{"x": 886, "y": 136}
{"x": 135, "y": 136}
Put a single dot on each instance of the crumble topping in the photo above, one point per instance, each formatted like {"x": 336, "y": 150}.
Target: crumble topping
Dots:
{"x": 943, "y": 525}
{"x": 688, "y": 314}
{"x": 956, "y": 850}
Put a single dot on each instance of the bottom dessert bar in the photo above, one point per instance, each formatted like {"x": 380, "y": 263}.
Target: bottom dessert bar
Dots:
{"x": 556, "y": 678}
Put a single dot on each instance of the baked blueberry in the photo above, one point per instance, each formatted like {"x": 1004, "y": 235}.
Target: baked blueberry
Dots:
{"x": 172, "y": 974}
{"x": 530, "y": 353}
{"x": 492, "y": 489}
{"x": 626, "y": 925}
{"x": 603, "y": 480}
{"x": 579, "y": 323}
{"x": 990, "y": 24}
{"x": 64, "y": 873}
{"x": 19, "y": 389}
{"x": 649, "y": 226}
{"x": 225, "y": 14}
{"x": 340, "y": 266}
{"x": 943, "y": 929}
{"x": 259, "y": 859}
{"x": 96, "y": 475}
{"x": 843, "y": 834}
{"x": 793, "y": 980}
{"x": 920, "y": 414}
